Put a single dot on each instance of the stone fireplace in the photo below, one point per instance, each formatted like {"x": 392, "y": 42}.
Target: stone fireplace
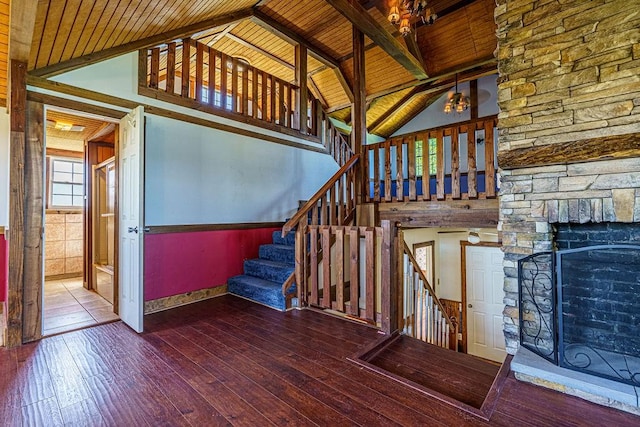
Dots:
{"x": 569, "y": 131}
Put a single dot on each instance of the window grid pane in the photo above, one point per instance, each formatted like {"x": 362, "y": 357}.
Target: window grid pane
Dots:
{"x": 67, "y": 183}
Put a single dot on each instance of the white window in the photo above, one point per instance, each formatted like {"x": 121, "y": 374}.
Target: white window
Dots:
{"x": 67, "y": 183}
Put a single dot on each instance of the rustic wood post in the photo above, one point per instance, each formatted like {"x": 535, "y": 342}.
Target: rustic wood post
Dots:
{"x": 359, "y": 115}
{"x": 16, "y": 195}
{"x": 302, "y": 94}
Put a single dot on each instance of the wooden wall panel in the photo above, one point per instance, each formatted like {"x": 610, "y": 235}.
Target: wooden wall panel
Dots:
{"x": 4, "y": 50}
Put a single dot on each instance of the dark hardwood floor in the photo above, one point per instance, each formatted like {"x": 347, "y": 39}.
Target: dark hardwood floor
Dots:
{"x": 461, "y": 376}
{"x": 227, "y": 361}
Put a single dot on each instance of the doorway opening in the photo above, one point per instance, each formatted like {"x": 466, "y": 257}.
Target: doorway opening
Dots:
{"x": 80, "y": 250}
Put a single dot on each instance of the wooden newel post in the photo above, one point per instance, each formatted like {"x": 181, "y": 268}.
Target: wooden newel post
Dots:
{"x": 389, "y": 277}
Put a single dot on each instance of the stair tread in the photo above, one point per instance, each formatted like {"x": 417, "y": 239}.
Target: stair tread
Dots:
{"x": 257, "y": 282}
{"x": 270, "y": 263}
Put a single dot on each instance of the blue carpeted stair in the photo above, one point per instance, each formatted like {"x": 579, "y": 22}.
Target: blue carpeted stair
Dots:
{"x": 263, "y": 277}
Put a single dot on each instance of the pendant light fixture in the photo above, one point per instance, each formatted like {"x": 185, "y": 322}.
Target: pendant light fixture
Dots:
{"x": 458, "y": 102}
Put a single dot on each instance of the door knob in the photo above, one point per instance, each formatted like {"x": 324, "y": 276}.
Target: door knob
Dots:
{"x": 133, "y": 230}
{"x": 470, "y": 306}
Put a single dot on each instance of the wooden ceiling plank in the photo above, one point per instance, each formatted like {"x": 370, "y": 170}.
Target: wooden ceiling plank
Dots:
{"x": 88, "y": 30}
{"x": 395, "y": 107}
{"x": 406, "y": 118}
{"x": 316, "y": 92}
{"x": 106, "y": 20}
{"x": 129, "y": 25}
{"x": 361, "y": 19}
{"x": 344, "y": 84}
{"x": 245, "y": 43}
{"x": 112, "y": 52}
{"x": 114, "y": 23}
{"x": 66, "y": 25}
{"x": 23, "y": 16}
{"x": 76, "y": 31}
{"x": 318, "y": 53}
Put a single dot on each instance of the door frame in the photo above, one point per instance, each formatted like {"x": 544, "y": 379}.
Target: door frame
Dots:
{"x": 463, "y": 282}
{"x": 24, "y": 298}
{"x": 426, "y": 244}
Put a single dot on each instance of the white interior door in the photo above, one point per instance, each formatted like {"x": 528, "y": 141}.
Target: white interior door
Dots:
{"x": 485, "y": 294}
{"x": 131, "y": 214}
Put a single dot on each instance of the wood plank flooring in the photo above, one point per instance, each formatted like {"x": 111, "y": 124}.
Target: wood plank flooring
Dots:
{"x": 227, "y": 361}
{"x": 461, "y": 376}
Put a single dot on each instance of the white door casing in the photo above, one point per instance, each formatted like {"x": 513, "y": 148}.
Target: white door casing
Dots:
{"x": 485, "y": 295}
{"x": 131, "y": 216}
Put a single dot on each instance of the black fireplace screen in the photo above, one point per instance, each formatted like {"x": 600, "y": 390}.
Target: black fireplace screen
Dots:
{"x": 580, "y": 308}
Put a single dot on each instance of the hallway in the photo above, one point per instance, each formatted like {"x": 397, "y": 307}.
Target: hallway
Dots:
{"x": 68, "y": 306}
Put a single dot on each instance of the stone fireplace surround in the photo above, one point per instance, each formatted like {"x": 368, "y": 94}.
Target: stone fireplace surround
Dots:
{"x": 532, "y": 201}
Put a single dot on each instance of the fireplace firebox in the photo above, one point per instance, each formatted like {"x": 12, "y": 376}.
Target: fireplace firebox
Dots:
{"x": 580, "y": 305}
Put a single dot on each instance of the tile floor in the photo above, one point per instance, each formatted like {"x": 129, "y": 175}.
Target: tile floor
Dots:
{"x": 68, "y": 306}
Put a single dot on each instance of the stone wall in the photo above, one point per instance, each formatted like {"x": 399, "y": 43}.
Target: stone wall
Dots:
{"x": 569, "y": 71}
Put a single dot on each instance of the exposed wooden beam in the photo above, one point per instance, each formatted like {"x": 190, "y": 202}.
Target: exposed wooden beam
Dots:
{"x": 343, "y": 82}
{"x": 271, "y": 24}
{"x": 586, "y": 150}
{"x": 269, "y": 55}
{"x": 221, "y": 34}
{"x": 471, "y": 71}
{"x": 23, "y": 19}
{"x": 473, "y": 98}
{"x": 360, "y": 18}
{"x": 91, "y": 58}
{"x": 406, "y": 118}
{"x": 414, "y": 49}
{"x": 395, "y": 107}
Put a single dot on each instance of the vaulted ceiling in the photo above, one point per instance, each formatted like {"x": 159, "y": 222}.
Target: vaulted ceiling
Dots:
{"x": 70, "y": 33}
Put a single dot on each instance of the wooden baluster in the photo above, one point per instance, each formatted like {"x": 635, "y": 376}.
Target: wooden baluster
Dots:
{"x": 234, "y": 85}
{"x": 370, "y": 272}
{"x": 332, "y": 206}
{"x": 326, "y": 266}
{"x": 354, "y": 270}
{"x": 199, "y": 70}
{"x": 264, "y": 105}
{"x": 171, "y": 68}
{"x": 155, "y": 68}
{"x": 426, "y": 178}
{"x": 387, "y": 171}
{"x": 245, "y": 90}
{"x": 455, "y": 163}
{"x": 411, "y": 167}
{"x": 212, "y": 77}
{"x": 273, "y": 98}
{"x": 472, "y": 183}
{"x": 489, "y": 167}
{"x": 324, "y": 211}
{"x": 366, "y": 152}
{"x": 224, "y": 73}
{"x": 313, "y": 237}
{"x": 282, "y": 112}
{"x": 186, "y": 67}
{"x": 300, "y": 259}
{"x": 341, "y": 200}
{"x": 314, "y": 216}
{"x": 340, "y": 269}
{"x": 440, "y": 165}
{"x": 254, "y": 92}
{"x": 376, "y": 173}
{"x": 318, "y": 118}
{"x": 399, "y": 143}
{"x": 291, "y": 109}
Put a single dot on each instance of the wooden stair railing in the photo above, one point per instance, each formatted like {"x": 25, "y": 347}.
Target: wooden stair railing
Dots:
{"x": 393, "y": 172}
{"x": 423, "y": 316}
{"x": 333, "y": 204}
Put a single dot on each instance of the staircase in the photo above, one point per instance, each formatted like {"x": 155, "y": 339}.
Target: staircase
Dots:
{"x": 264, "y": 276}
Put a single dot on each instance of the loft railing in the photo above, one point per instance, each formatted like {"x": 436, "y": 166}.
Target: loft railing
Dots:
{"x": 229, "y": 87}
{"x": 452, "y": 162}
{"x": 422, "y": 315}
{"x": 204, "y": 78}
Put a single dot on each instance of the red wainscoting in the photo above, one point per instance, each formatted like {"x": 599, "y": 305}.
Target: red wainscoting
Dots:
{"x": 4, "y": 266}
{"x": 176, "y": 263}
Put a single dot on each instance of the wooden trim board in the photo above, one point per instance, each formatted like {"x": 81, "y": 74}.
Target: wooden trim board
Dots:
{"x": 165, "y": 229}
{"x": 174, "y": 301}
